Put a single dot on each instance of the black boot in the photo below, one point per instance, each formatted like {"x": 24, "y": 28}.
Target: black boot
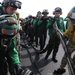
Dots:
{"x": 42, "y": 51}
{"x": 54, "y": 60}
{"x": 54, "y": 57}
{"x": 59, "y": 71}
{"x": 46, "y": 58}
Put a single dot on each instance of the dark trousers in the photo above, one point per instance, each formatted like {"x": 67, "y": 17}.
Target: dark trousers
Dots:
{"x": 42, "y": 37}
{"x": 36, "y": 39}
{"x": 6, "y": 64}
{"x": 53, "y": 45}
{"x": 3, "y": 64}
{"x": 31, "y": 34}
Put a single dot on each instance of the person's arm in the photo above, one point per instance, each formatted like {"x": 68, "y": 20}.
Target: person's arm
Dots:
{"x": 39, "y": 22}
{"x": 34, "y": 22}
{"x": 68, "y": 31}
{"x": 60, "y": 24}
{"x": 49, "y": 24}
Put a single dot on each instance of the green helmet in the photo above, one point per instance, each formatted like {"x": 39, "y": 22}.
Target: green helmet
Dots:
{"x": 13, "y": 3}
{"x": 9, "y": 30}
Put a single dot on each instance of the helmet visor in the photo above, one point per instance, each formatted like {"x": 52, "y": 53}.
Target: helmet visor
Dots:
{"x": 16, "y": 4}
{"x": 72, "y": 15}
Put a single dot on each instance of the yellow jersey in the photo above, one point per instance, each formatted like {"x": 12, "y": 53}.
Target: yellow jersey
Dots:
{"x": 70, "y": 32}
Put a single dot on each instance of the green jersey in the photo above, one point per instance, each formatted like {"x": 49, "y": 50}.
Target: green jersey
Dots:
{"x": 60, "y": 24}
{"x": 13, "y": 54}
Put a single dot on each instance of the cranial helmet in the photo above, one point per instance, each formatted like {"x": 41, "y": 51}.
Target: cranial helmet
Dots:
{"x": 57, "y": 9}
{"x": 45, "y": 11}
{"x": 71, "y": 14}
{"x": 13, "y": 3}
{"x": 39, "y": 12}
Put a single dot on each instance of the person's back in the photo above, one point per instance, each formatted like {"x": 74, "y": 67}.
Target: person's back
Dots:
{"x": 8, "y": 8}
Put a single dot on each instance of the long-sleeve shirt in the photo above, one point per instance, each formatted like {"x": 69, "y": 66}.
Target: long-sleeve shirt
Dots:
{"x": 70, "y": 32}
{"x": 60, "y": 24}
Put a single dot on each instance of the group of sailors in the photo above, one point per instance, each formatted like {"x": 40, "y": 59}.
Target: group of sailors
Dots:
{"x": 35, "y": 29}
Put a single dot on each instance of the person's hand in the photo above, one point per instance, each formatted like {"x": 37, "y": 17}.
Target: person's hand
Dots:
{"x": 11, "y": 20}
{"x": 65, "y": 37}
{"x": 52, "y": 19}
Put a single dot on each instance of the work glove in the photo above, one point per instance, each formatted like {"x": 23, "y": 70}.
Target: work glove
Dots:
{"x": 52, "y": 19}
{"x": 65, "y": 38}
{"x": 11, "y": 20}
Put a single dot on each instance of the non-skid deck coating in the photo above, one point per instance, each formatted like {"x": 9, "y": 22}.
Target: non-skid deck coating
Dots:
{"x": 45, "y": 67}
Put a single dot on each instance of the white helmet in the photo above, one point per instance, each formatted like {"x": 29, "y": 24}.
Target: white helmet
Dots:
{"x": 71, "y": 14}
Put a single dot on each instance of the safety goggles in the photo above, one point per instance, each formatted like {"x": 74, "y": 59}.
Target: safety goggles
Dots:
{"x": 16, "y": 4}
